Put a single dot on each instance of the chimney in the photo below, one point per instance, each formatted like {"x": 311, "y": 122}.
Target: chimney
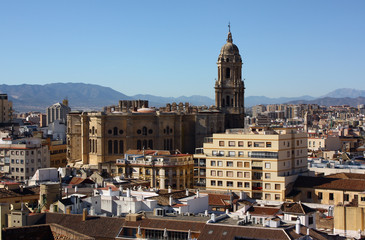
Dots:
{"x": 242, "y": 195}
{"x": 206, "y": 213}
{"x": 21, "y": 188}
{"x": 84, "y": 214}
{"x": 171, "y": 201}
{"x": 169, "y": 189}
{"x": 120, "y": 191}
{"x": 212, "y": 217}
{"x": 68, "y": 210}
{"x": 197, "y": 193}
{"x": 297, "y": 226}
{"x": 227, "y": 211}
{"x": 128, "y": 192}
{"x": 187, "y": 192}
{"x": 110, "y": 191}
{"x": 75, "y": 189}
{"x": 308, "y": 231}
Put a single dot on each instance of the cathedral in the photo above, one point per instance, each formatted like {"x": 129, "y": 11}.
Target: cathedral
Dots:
{"x": 95, "y": 138}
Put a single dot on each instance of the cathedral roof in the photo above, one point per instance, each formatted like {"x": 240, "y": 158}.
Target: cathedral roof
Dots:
{"x": 229, "y": 48}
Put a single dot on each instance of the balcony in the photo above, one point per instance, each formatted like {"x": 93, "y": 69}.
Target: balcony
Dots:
{"x": 257, "y": 188}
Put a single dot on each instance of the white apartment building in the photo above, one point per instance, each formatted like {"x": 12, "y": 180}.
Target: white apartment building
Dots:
{"x": 20, "y": 159}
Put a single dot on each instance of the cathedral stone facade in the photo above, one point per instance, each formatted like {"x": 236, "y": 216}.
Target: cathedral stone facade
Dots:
{"x": 102, "y": 137}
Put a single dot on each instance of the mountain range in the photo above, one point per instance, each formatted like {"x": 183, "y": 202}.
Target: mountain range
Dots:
{"x": 32, "y": 97}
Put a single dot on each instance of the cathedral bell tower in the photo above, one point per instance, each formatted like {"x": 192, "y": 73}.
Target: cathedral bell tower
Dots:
{"x": 229, "y": 88}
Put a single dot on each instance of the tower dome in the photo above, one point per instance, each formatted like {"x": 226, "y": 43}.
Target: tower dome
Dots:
{"x": 229, "y": 50}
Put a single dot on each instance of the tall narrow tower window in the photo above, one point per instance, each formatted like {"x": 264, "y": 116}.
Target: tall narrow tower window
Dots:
{"x": 228, "y": 72}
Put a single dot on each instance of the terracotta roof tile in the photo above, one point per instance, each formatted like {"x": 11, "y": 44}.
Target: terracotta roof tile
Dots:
{"x": 330, "y": 183}
{"x": 268, "y": 211}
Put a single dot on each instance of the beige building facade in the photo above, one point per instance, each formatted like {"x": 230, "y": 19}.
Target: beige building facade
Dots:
{"x": 160, "y": 168}
{"x": 259, "y": 161}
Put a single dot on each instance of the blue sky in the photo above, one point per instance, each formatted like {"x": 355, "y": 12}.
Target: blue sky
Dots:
{"x": 170, "y": 48}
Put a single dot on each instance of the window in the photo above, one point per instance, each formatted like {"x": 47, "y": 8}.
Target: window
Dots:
{"x": 309, "y": 195}
{"x": 346, "y": 197}
{"x": 267, "y": 196}
{"x": 229, "y": 184}
{"x": 277, "y": 187}
{"x": 268, "y": 144}
{"x": 212, "y": 183}
{"x": 268, "y": 165}
{"x": 212, "y": 173}
{"x": 17, "y": 161}
{"x": 247, "y": 164}
{"x": 231, "y": 153}
{"x": 310, "y": 220}
{"x": 362, "y": 199}
{"x": 277, "y": 196}
{"x": 249, "y": 144}
{"x": 258, "y": 144}
{"x": 229, "y": 173}
{"x": 231, "y": 143}
{"x": 247, "y": 174}
{"x": 12, "y": 160}
{"x": 221, "y": 153}
{"x": 240, "y": 154}
{"x": 267, "y": 186}
{"x": 239, "y": 174}
{"x": 220, "y": 173}
{"x": 115, "y": 131}
{"x": 212, "y": 163}
{"x": 239, "y": 184}
{"x": 229, "y": 164}
{"x": 228, "y": 72}
{"x": 221, "y": 143}
{"x": 214, "y": 153}
{"x": 331, "y": 196}
{"x": 239, "y": 164}
{"x": 240, "y": 143}
{"x": 267, "y": 175}
{"x": 220, "y": 183}
{"x": 220, "y": 164}
{"x": 320, "y": 195}
{"x": 247, "y": 184}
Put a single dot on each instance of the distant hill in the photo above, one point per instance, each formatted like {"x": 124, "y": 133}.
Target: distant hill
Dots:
{"x": 31, "y": 97}
{"x": 328, "y": 101}
{"x": 28, "y": 97}
{"x": 345, "y": 93}
{"x": 257, "y": 100}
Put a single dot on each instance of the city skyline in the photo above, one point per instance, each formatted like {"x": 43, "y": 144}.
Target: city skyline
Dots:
{"x": 170, "y": 49}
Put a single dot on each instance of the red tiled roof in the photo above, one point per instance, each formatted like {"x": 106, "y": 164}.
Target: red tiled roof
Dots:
{"x": 268, "y": 211}
{"x": 79, "y": 180}
{"x": 219, "y": 200}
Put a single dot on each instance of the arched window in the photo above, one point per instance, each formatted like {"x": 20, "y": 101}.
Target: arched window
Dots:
{"x": 121, "y": 146}
{"x": 115, "y": 131}
{"x": 228, "y": 72}
{"x": 144, "y": 131}
{"x": 90, "y": 146}
{"x": 145, "y": 144}
{"x": 93, "y": 146}
{"x": 227, "y": 101}
{"x": 223, "y": 102}
{"x": 139, "y": 145}
{"x": 167, "y": 130}
{"x": 93, "y": 130}
{"x": 110, "y": 147}
{"x": 150, "y": 144}
{"x": 115, "y": 146}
